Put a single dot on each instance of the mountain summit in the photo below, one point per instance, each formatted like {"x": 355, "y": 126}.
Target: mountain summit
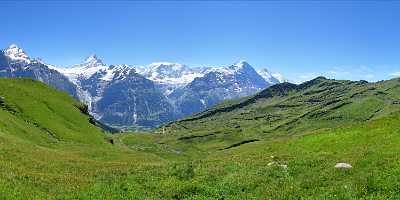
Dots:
{"x": 241, "y": 65}
{"x": 16, "y": 54}
{"x": 92, "y": 61}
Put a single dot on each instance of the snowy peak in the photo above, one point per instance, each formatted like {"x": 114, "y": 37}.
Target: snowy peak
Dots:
{"x": 170, "y": 73}
{"x": 16, "y": 54}
{"x": 92, "y": 61}
{"x": 85, "y": 70}
{"x": 242, "y": 66}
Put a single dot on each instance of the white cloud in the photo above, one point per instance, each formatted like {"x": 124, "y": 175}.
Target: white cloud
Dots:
{"x": 360, "y": 72}
{"x": 337, "y": 72}
{"x": 348, "y": 72}
{"x": 307, "y": 75}
{"x": 395, "y": 74}
{"x": 369, "y": 76}
{"x": 302, "y": 77}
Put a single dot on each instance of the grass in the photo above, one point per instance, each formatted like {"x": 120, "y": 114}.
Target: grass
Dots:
{"x": 49, "y": 150}
{"x": 244, "y": 172}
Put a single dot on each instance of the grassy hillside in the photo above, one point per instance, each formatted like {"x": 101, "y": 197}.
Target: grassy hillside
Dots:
{"x": 294, "y": 167}
{"x": 292, "y": 138}
{"x": 37, "y": 113}
{"x": 48, "y": 148}
{"x": 288, "y": 109}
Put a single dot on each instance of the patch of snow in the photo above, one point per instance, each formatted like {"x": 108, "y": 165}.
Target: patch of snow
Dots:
{"x": 52, "y": 67}
{"x": 80, "y": 72}
{"x": 109, "y": 75}
{"x": 134, "y": 110}
{"x": 170, "y": 73}
{"x": 203, "y": 102}
{"x": 168, "y": 91}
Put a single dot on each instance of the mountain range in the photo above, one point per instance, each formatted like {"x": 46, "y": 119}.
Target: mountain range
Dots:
{"x": 127, "y": 96}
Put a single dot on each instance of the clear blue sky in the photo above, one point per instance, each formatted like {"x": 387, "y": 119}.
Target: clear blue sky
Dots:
{"x": 344, "y": 40}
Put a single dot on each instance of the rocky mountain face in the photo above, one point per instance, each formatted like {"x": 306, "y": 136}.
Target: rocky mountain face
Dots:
{"x": 118, "y": 95}
{"x": 140, "y": 97}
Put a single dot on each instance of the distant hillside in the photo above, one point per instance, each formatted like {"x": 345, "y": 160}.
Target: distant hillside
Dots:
{"x": 286, "y": 109}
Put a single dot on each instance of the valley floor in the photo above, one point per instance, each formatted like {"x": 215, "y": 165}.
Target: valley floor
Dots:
{"x": 139, "y": 167}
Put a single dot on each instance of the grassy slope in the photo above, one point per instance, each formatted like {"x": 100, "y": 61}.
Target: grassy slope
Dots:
{"x": 284, "y": 110}
{"x": 372, "y": 149}
{"x": 245, "y": 172}
{"x": 48, "y": 150}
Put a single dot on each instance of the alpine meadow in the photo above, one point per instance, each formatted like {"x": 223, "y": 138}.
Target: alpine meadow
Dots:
{"x": 322, "y": 122}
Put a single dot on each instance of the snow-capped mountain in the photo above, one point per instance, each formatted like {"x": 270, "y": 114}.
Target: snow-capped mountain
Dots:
{"x": 137, "y": 96}
{"x": 84, "y": 70}
{"x": 16, "y": 55}
{"x": 14, "y": 62}
{"x": 216, "y": 85}
{"x": 118, "y": 95}
{"x": 91, "y": 61}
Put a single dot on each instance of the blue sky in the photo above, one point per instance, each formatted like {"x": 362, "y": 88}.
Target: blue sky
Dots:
{"x": 343, "y": 40}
